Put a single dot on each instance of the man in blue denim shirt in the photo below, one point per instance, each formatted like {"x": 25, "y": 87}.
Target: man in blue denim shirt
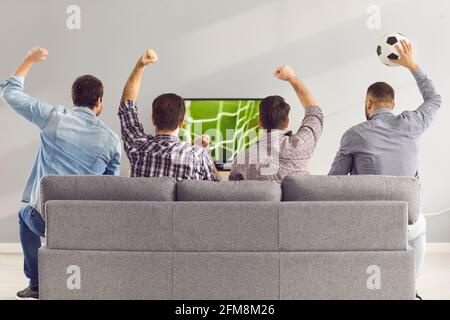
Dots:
{"x": 72, "y": 142}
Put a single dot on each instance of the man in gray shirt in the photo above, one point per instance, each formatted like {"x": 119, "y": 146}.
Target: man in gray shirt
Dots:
{"x": 388, "y": 144}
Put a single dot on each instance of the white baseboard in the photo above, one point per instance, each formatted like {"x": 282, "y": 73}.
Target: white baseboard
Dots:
{"x": 10, "y": 247}
{"x": 432, "y": 247}
{"x": 438, "y": 247}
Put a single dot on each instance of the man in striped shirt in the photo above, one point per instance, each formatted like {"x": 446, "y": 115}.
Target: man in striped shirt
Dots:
{"x": 162, "y": 155}
{"x": 278, "y": 152}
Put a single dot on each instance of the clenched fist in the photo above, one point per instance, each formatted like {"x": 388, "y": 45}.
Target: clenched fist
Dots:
{"x": 37, "y": 54}
{"x": 203, "y": 140}
{"x": 285, "y": 73}
{"x": 149, "y": 57}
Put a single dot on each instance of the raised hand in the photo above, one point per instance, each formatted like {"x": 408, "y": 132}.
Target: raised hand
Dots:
{"x": 285, "y": 73}
{"x": 133, "y": 84}
{"x": 406, "y": 55}
{"x": 37, "y": 54}
{"x": 203, "y": 140}
{"x": 149, "y": 57}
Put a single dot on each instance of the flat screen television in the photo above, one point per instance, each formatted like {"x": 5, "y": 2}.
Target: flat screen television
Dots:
{"x": 232, "y": 125}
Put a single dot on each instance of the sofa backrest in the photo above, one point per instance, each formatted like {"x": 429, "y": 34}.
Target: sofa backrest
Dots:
{"x": 242, "y": 226}
{"x": 106, "y": 188}
{"x": 299, "y": 188}
{"x": 190, "y": 190}
{"x": 354, "y": 188}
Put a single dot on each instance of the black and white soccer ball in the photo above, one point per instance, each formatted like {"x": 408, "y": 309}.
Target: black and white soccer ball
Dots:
{"x": 386, "y": 50}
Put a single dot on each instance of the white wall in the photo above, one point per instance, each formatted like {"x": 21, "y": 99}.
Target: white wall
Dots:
{"x": 226, "y": 49}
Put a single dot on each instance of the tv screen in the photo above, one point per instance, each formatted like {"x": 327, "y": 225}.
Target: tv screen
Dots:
{"x": 232, "y": 125}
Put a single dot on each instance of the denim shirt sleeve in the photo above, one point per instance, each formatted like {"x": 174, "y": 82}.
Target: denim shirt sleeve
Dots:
{"x": 28, "y": 107}
{"x": 113, "y": 168}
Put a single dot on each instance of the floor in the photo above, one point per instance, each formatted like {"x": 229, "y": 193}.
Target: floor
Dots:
{"x": 433, "y": 284}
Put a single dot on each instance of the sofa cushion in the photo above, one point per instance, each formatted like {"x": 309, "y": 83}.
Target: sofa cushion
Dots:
{"x": 347, "y": 275}
{"x": 109, "y": 225}
{"x": 343, "y": 226}
{"x": 226, "y": 276}
{"x": 106, "y": 188}
{"x": 225, "y": 226}
{"x": 190, "y": 190}
{"x": 105, "y": 275}
{"x": 354, "y": 188}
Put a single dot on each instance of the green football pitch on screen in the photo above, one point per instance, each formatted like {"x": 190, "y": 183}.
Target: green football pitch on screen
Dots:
{"x": 231, "y": 124}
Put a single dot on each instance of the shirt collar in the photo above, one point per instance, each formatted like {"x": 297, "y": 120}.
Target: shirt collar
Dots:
{"x": 381, "y": 111}
{"x": 166, "y": 137}
{"x": 85, "y": 110}
{"x": 265, "y": 134}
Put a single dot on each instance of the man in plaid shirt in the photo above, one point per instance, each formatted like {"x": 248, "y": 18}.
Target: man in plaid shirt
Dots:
{"x": 279, "y": 153}
{"x": 162, "y": 155}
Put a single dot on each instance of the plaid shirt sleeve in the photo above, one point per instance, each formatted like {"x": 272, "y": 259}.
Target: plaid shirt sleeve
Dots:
{"x": 208, "y": 165}
{"x": 236, "y": 168}
{"x": 132, "y": 130}
{"x": 303, "y": 143}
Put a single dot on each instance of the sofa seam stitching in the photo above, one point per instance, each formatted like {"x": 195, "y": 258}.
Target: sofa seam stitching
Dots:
{"x": 279, "y": 255}
{"x": 173, "y": 251}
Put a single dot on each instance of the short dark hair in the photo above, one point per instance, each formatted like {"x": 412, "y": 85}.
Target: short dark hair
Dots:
{"x": 381, "y": 91}
{"x": 273, "y": 112}
{"x": 86, "y": 90}
{"x": 168, "y": 111}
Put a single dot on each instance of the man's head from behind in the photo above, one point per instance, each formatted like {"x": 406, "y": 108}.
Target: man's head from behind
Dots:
{"x": 168, "y": 112}
{"x": 274, "y": 113}
{"x": 87, "y": 91}
{"x": 379, "y": 95}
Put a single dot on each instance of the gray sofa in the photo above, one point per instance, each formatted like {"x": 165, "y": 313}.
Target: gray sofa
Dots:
{"x": 312, "y": 237}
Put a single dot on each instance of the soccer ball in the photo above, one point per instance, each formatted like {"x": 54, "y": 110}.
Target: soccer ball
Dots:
{"x": 386, "y": 50}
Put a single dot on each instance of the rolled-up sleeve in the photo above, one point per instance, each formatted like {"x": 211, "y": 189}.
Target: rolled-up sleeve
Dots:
{"x": 35, "y": 111}
{"x": 131, "y": 128}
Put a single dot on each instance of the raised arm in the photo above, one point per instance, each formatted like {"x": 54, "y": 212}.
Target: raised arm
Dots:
{"x": 425, "y": 114}
{"x": 304, "y": 142}
{"x": 12, "y": 92}
{"x": 131, "y": 128}
{"x": 133, "y": 85}
{"x": 34, "y": 56}
{"x": 286, "y": 73}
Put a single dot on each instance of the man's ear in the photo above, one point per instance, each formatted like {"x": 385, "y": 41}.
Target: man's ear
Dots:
{"x": 369, "y": 103}
{"x": 181, "y": 124}
{"x": 98, "y": 106}
{"x": 393, "y": 105}
{"x": 153, "y": 121}
{"x": 286, "y": 123}
{"x": 260, "y": 122}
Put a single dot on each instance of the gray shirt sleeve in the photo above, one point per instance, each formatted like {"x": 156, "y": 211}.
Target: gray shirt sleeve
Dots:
{"x": 343, "y": 161}
{"x": 426, "y": 113}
